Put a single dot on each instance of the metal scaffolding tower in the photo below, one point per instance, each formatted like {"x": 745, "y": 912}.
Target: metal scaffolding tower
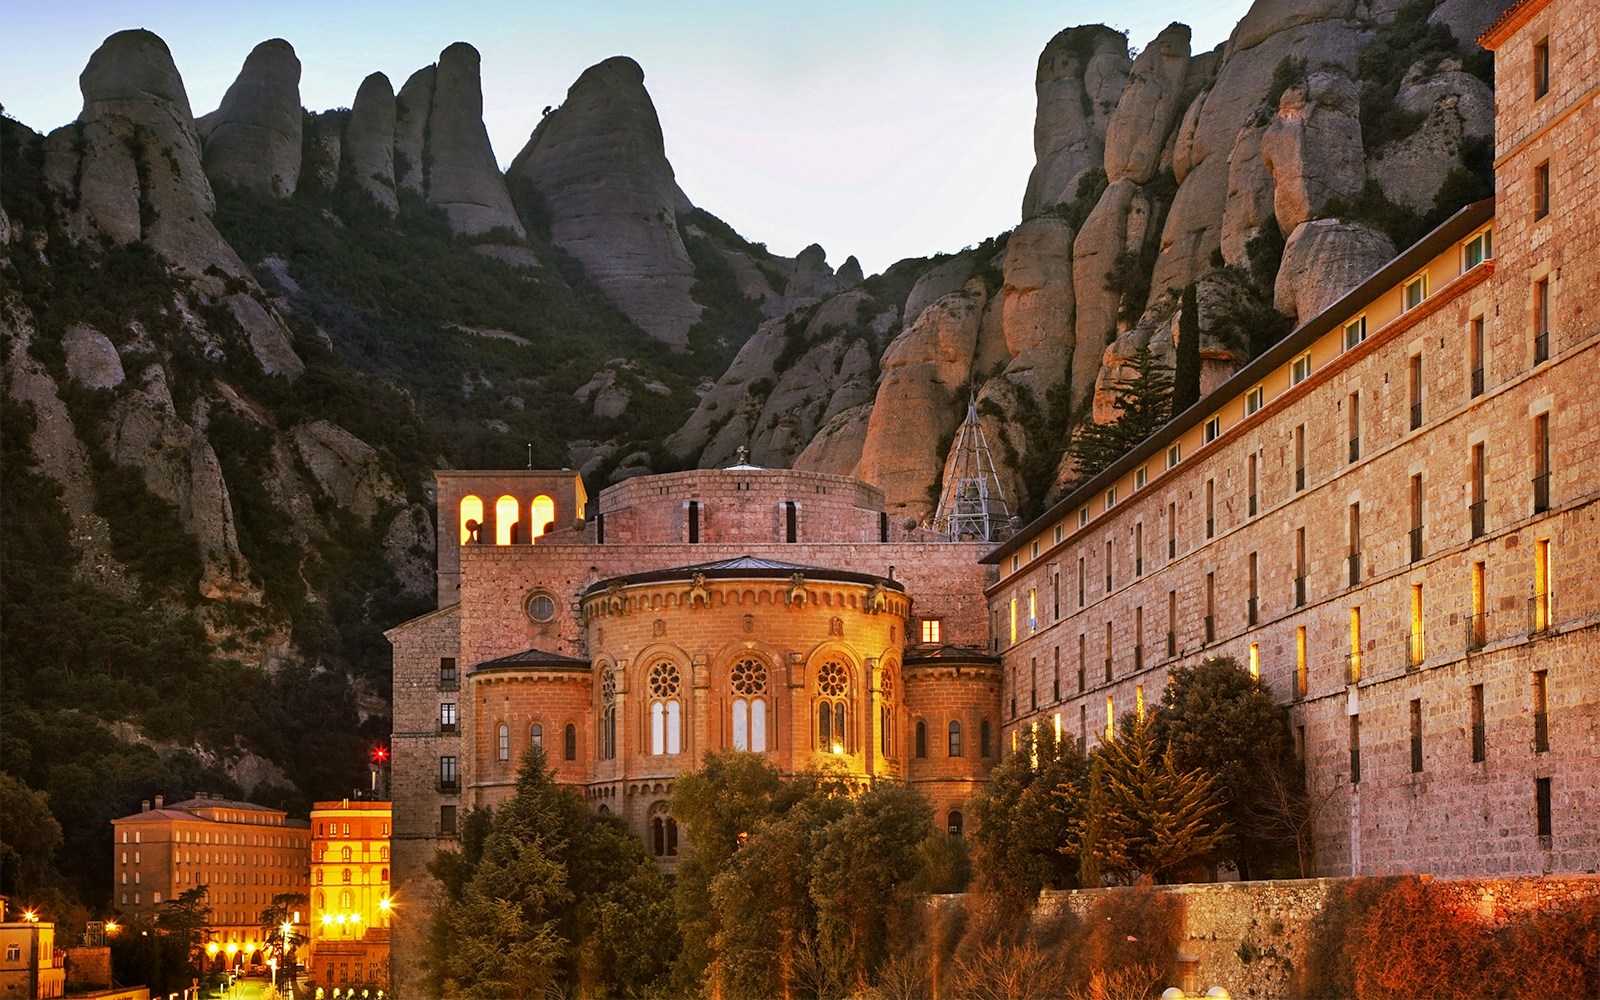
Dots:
{"x": 972, "y": 507}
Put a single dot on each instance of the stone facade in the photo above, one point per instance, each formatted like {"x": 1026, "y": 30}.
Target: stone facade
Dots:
{"x": 1391, "y": 516}
{"x": 764, "y": 610}
{"x": 349, "y": 918}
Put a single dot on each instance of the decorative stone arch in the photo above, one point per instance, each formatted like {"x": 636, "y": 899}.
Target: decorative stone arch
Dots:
{"x": 888, "y": 687}
{"x": 502, "y": 743}
{"x": 662, "y": 710}
{"x": 470, "y": 519}
{"x": 747, "y": 677}
{"x": 835, "y": 699}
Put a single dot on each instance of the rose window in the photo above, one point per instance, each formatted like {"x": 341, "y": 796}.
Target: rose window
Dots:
{"x": 832, "y": 679}
{"x": 749, "y": 677}
{"x": 664, "y": 680}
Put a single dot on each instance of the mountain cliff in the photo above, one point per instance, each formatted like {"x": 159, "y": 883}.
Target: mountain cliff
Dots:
{"x": 235, "y": 344}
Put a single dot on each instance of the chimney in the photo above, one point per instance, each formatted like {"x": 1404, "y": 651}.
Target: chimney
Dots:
{"x": 144, "y": 805}
{"x": 161, "y": 801}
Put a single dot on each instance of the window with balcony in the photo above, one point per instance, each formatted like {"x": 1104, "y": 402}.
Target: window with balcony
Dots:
{"x": 1252, "y": 607}
{"x": 1211, "y": 508}
{"x": 1475, "y": 356}
{"x": 1476, "y": 482}
{"x": 1541, "y": 711}
{"x": 1211, "y": 608}
{"x": 1415, "y": 536}
{"x": 1300, "y": 567}
{"x": 1541, "y": 190}
{"x": 1541, "y": 321}
{"x": 1414, "y": 389}
{"x": 1541, "y": 463}
{"x": 1416, "y": 735}
{"x": 1541, "y": 811}
{"x": 1352, "y": 414}
{"x": 1353, "y": 663}
{"x": 1302, "y": 679}
{"x": 1299, "y": 457}
{"x": 1355, "y": 749}
{"x": 1478, "y": 623}
{"x": 1542, "y": 619}
{"x": 1480, "y": 743}
{"x": 447, "y": 717}
{"x": 1418, "y": 649}
{"x": 1252, "y": 464}
{"x": 447, "y": 774}
{"x": 447, "y": 673}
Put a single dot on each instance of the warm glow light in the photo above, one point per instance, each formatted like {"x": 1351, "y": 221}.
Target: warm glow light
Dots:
{"x": 249, "y": 947}
{"x": 212, "y": 949}
{"x": 327, "y": 918}
{"x": 287, "y": 927}
{"x": 838, "y": 748}
{"x": 233, "y": 948}
{"x": 112, "y": 927}
{"x": 383, "y": 904}
{"x": 30, "y": 916}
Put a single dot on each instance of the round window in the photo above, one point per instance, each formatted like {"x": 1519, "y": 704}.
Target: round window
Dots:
{"x": 541, "y": 608}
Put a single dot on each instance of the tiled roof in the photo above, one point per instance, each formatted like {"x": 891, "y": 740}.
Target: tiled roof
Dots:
{"x": 745, "y": 567}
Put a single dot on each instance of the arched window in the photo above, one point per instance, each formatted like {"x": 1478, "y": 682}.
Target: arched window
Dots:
{"x": 663, "y": 832}
{"x": 922, "y": 738}
{"x": 955, "y": 739}
{"x": 319, "y": 876}
{"x": 506, "y": 513}
{"x": 383, "y": 854}
{"x": 471, "y": 519}
{"x": 985, "y": 739}
{"x": 954, "y": 825}
{"x": 749, "y": 683}
{"x": 886, "y": 714}
{"x": 347, "y": 875}
{"x": 572, "y": 742}
{"x": 503, "y": 742}
{"x": 344, "y": 855}
{"x": 608, "y": 716}
{"x": 833, "y": 693}
{"x": 322, "y": 903}
{"x": 666, "y": 715}
{"x": 543, "y": 510}
{"x": 536, "y": 735}
{"x": 385, "y": 876}
{"x": 345, "y": 899}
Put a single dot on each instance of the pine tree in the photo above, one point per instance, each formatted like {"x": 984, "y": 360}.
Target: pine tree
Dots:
{"x": 1144, "y": 404}
{"x": 1186, "y": 380}
{"x": 1146, "y": 820}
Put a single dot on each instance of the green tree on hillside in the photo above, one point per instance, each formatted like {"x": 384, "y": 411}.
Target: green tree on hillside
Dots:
{"x": 1144, "y": 404}
{"x": 1186, "y": 380}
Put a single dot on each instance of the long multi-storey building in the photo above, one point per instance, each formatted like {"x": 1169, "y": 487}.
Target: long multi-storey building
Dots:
{"x": 349, "y": 917}
{"x": 245, "y": 854}
{"x": 1390, "y": 517}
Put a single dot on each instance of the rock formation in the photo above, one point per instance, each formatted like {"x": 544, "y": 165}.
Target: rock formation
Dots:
{"x": 253, "y": 139}
{"x": 1137, "y": 131}
{"x": 369, "y": 142}
{"x": 412, "y": 106}
{"x": 462, "y": 175}
{"x": 600, "y": 163}
{"x": 1313, "y": 149}
{"x": 1323, "y": 260}
{"x": 1081, "y": 73}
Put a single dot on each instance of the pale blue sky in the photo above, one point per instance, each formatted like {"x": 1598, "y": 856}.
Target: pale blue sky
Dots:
{"x": 883, "y": 130}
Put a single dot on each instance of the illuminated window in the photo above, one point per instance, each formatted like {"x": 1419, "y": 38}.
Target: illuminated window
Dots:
{"x": 930, "y": 629}
{"x": 1138, "y": 702}
{"x": 1255, "y": 659}
{"x": 507, "y": 512}
{"x": 833, "y": 692}
{"x": 544, "y": 515}
{"x": 1013, "y": 621}
{"x": 1301, "y": 680}
{"x": 1111, "y": 720}
{"x": 1033, "y": 610}
{"x": 1353, "y": 675}
{"x": 666, "y": 719}
{"x": 1541, "y": 585}
{"x": 471, "y": 519}
{"x": 447, "y": 717}
{"x": 1418, "y": 651}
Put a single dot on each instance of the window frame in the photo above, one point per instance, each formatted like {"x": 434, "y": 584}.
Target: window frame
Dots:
{"x": 1254, "y": 400}
{"x": 1355, "y": 331}
{"x": 1300, "y": 368}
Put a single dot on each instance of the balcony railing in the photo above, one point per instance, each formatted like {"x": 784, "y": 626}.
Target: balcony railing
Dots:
{"x": 1299, "y": 479}
{"x": 1082, "y": 681}
{"x": 1138, "y": 657}
{"x": 1416, "y": 415}
{"x": 1355, "y": 765}
{"x": 447, "y": 729}
{"x": 1477, "y": 382}
{"x": 1480, "y": 510}
{"x": 1480, "y": 744}
{"x": 1252, "y": 505}
{"x": 1251, "y": 615}
{"x": 1541, "y": 732}
{"x": 1541, "y": 493}
{"x": 1354, "y": 560}
{"x": 449, "y": 785}
{"x": 1172, "y": 644}
{"x": 1417, "y": 651}
{"x": 1138, "y": 565}
{"x": 1299, "y": 591}
{"x": 1415, "y": 537}
{"x": 1541, "y": 347}
{"x": 1108, "y": 668}
{"x": 1211, "y": 527}
{"x": 1172, "y": 548}
{"x": 449, "y": 683}
{"x": 1211, "y": 628}
{"x": 1355, "y": 449}
{"x": 1352, "y": 668}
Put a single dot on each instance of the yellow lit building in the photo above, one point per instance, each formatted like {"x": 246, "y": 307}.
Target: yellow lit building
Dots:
{"x": 350, "y": 893}
{"x": 244, "y": 853}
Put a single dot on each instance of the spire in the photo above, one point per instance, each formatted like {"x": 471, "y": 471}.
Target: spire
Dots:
{"x": 972, "y": 507}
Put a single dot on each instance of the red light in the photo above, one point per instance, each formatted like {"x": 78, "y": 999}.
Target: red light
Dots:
{"x": 381, "y": 754}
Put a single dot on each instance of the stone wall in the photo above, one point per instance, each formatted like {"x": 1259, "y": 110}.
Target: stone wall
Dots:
{"x": 1253, "y": 938}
